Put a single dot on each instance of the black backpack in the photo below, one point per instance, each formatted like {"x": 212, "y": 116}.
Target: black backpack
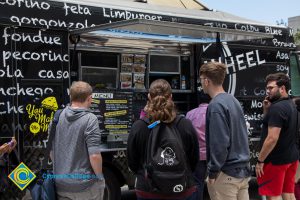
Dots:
{"x": 166, "y": 168}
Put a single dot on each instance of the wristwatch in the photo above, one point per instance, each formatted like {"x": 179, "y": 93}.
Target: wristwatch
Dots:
{"x": 258, "y": 161}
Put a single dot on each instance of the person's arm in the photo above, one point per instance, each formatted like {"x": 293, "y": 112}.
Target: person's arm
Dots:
{"x": 133, "y": 153}
{"x": 218, "y": 142}
{"x": 4, "y": 148}
{"x": 12, "y": 144}
{"x": 96, "y": 162}
{"x": 268, "y": 145}
{"x": 194, "y": 156}
{"x": 93, "y": 141}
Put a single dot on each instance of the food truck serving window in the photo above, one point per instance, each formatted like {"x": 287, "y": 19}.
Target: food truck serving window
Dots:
{"x": 100, "y": 69}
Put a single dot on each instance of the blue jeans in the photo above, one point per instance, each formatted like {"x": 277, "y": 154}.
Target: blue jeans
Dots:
{"x": 200, "y": 175}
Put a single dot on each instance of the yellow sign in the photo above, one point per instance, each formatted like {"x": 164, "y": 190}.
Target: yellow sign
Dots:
{"x": 115, "y": 113}
{"x": 22, "y": 176}
{"x": 115, "y": 101}
{"x": 115, "y": 126}
{"x": 96, "y": 101}
{"x": 50, "y": 103}
{"x": 34, "y": 128}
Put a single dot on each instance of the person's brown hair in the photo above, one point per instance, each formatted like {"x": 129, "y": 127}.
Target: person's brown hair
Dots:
{"x": 280, "y": 78}
{"x": 160, "y": 106}
{"x": 80, "y": 91}
{"x": 214, "y": 71}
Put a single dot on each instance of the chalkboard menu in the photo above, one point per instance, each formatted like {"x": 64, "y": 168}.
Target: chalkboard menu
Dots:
{"x": 114, "y": 112}
{"x": 33, "y": 79}
{"x": 254, "y": 146}
{"x": 254, "y": 61}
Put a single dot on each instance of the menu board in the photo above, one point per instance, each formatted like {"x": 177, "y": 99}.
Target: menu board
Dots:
{"x": 133, "y": 71}
{"x": 114, "y": 111}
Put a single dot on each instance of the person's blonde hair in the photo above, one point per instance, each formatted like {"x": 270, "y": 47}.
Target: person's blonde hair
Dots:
{"x": 215, "y": 71}
{"x": 80, "y": 91}
{"x": 160, "y": 105}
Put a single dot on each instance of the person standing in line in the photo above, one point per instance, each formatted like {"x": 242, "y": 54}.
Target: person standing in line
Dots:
{"x": 160, "y": 106}
{"x": 278, "y": 158}
{"x": 198, "y": 118}
{"x": 227, "y": 145}
{"x": 76, "y": 148}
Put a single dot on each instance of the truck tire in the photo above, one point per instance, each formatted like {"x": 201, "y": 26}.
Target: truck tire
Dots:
{"x": 112, "y": 189}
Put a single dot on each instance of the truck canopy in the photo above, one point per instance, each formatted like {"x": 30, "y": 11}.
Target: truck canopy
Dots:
{"x": 172, "y": 31}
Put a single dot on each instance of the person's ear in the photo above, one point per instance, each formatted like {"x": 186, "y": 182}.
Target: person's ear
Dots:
{"x": 149, "y": 97}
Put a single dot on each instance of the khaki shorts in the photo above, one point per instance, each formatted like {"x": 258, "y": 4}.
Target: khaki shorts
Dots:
{"x": 229, "y": 188}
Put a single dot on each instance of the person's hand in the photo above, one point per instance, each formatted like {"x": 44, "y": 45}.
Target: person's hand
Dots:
{"x": 12, "y": 144}
{"x": 266, "y": 104}
{"x": 259, "y": 169}
{"x": 211, "y": 180}
{"x": 4, "y": 148}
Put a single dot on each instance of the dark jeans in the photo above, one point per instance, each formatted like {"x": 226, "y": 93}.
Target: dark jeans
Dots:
{"x": 200, "y": 175}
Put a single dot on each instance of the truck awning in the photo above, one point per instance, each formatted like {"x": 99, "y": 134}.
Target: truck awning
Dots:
{"x": 173, "y": 31}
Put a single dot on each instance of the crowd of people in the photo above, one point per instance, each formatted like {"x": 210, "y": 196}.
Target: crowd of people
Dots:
{"x": 174, "y": 156}
{"x": 221, "y": 132}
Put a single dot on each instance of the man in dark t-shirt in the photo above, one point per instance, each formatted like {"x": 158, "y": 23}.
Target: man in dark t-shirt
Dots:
{"x": 278, "y": 159}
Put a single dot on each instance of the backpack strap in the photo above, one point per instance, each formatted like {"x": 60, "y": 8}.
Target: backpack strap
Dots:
{"x": 51, "y": 136}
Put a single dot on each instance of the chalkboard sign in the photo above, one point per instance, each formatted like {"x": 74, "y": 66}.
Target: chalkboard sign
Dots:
{"x": 254, "y": 145}
{"x": 253, "y": 113}
{"x": 247, "y": 67}
{"x": 114, "y": 111}
{"x": 34, "y": 77}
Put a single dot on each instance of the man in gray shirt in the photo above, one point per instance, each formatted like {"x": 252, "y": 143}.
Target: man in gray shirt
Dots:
{"x": 226, "y": 138}
{"x": 76, "y": 150}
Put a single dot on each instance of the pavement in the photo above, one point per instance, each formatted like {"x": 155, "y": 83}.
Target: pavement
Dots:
{"x": 253, "y": 192}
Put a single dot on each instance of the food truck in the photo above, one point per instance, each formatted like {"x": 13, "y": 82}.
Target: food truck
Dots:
{"x": 120, "y": 47}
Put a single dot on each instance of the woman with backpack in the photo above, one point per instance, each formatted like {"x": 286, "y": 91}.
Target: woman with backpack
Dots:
{"x": 162, "y": 149}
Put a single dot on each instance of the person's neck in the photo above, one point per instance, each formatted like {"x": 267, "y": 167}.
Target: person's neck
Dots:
{"x": 78, "y": 105}
{"x": 284, "y": 96}
{"x": 215, "y": 91}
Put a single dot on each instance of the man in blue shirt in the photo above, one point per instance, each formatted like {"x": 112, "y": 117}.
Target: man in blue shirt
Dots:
{"x": 227, "y": 145}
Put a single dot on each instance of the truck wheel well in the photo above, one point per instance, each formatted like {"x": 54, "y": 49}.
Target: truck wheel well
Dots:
{"x": 116, "y": 171}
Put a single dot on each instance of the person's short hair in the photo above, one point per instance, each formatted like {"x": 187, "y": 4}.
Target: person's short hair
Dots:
{"x": 215, "y": 71}
{"x": 280, "y": 78}
{"x": 80, "y": 91}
